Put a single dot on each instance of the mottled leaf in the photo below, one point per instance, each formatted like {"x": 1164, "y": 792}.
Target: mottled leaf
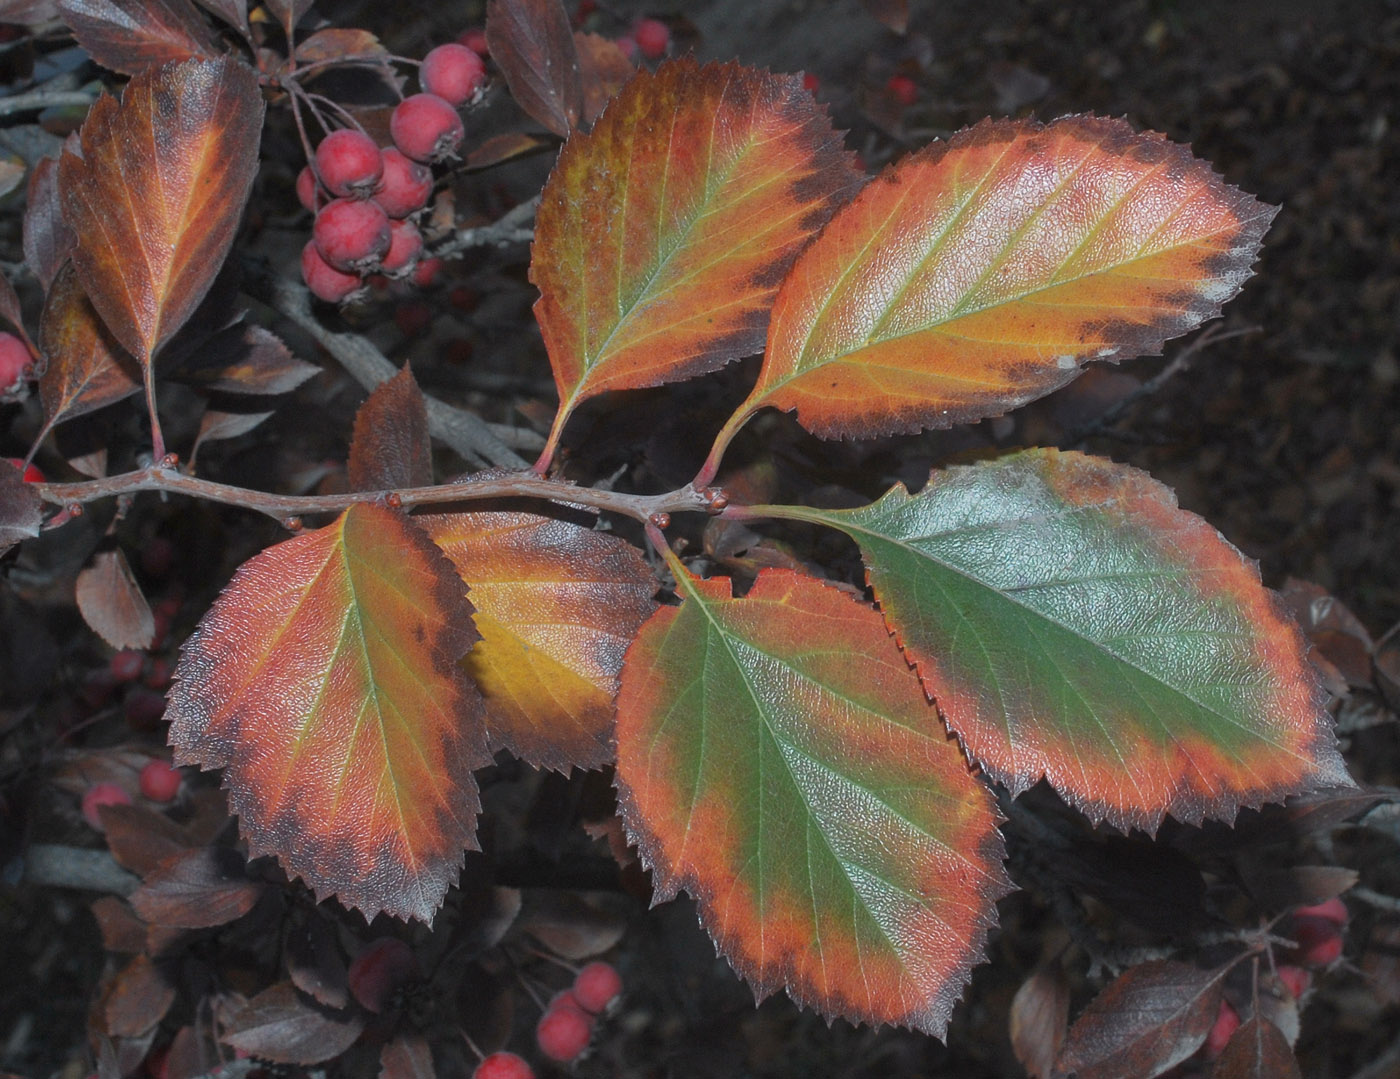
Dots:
{"x": 130, "y": 36}
{"x": 158, "y": 192}
{"x": 390, "y": 447}
{"x": 48, "y": 241}
{"x": 111, "y": 602}
{"x": 278, "y": 1025}
{"x": 197, "y": 889}
{"x": 662, "y": 234}
{"x": 778, "y": 760}
{"x": 1072, "y": 622}
{"x": 243, "y": 359}
{"x": 981, "y": 272}
{"x": 603, "y": 69}
{"x": 1257, "y": 1050}
{"x": 1151, "y": 1018}
{"x": 21, "y": 509}
{"x": 86, "y": 368}
{"x": 325, "y": 681}
{"x": 136, "y": 999}
{"x": 533, "y": 45}
{"x": 556, "y": 607}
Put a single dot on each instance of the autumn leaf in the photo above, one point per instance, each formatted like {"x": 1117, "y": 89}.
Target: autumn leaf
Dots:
{"x": 981, "y": 272}
{"x": 130, "y": 36}
{"x": 112, "y": 603}
{"x": 1073, "y": 623}
{"x": 662, "y": 234}
{"x": 778, "y": 760}
{"x": 532, "y": 44}
{"x": 325, "y": 681}
{"x": 390, "y": 446}
{"x": 21, "y": 511}
{"x": 157, "y": 193}
{"x": 47, "y": 238}
{"x": 556, "y": 607}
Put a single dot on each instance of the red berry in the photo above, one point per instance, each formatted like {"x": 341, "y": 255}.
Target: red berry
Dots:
{"x": 349, "y": 163}
{"x": 323, "y": 279}
{"x": 383, "y": 968}
{"x": 564, "y": 1032}
{"x": 426, "y": 128}
{"x": 405, "y": 186}
{"x": 405, "y": 245}
{"x": 454, "y": 72}
{"x": 1319, "y": 940}
{"x": 160, "y": 781}
{"x": 503, "y": 1066}
{"x": 351, "y": 234}
{"x": 653, "y": 38}
{"x": 126, "y": 665}
{"x": 308, "y": 190}
{"x": 903, "y": 89}
{"x": 31, "y": 471}
{"x": 1333, "y": 910}
{"x": 597, "y": 986}
{"x": 1296, "y": 979}
{"x": 14, "y": 358}
{"x": 426, "y": 272}
{"x": 810, "y": 82}
{"x": 1226, "y": 1023}
{"x": 474, "y": 39}
{"x": 99, "y": 795}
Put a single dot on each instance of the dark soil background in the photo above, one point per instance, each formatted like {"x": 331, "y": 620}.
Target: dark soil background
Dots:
{"x": 1286, "y": 438}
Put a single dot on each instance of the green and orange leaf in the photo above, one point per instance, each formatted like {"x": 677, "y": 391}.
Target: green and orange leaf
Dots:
{"x": 663, "y": 233}
{"x": 981, "y": 272}
{"x": 1072, "y": 622}
{"x": 556, "y": 607}
{"x": 325, "y": 680}
{"x": 157, "y": 192}
{"x": 778, "y": 759}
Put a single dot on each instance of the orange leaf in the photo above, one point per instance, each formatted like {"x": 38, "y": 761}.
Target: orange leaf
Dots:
{"x": 325, "y": 681}
{"x": 981, "y": 272}
{"x": 662, "y": 234}
{"x": 156, "y": 195}
{"x": 556, "y": 606}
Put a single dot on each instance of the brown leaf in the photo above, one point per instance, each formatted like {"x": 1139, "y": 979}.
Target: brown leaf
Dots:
{"x": 216, "y": 425}
{"x": 314, "y": 961}
{"x": 1333, "y": 630}
{"x": 136, "y": 999}
{"x": 198, "y": 889}
{"x": 497, "y": 148}
{"x": 130, "y": 36}
{"x": 121, "y": 930}
{"x": 10, "y": 309}
{"x": 336, "y": 43}
{"x": 243, "y": 359}
{"x": 278, "y": 1025}
{"x": 112, "y": 604}
{"x": 893, "y": 13}
{"x": 184, "y": 141}
{"x": 140, "y": 839}
{"x": 233, "y": 12}
{"x": 1299, "y": 885}
{"x": 603, "y": 68}
{"x": 1258, "y": 1050}
{"x": 86, "y": 368}
{"x": 21, "y": 511}
{"x": 1152, "y": 1017}
{"x": 48, "y": 241}
{"x": 1039, "y": 1019}
{"x": 406, "y": 1057}
{"x": 288, "y": 12}
{"x": 571, "y": 925}
{"x": 390, "y": 447}
{"x": 1386, "y": 663}
{"x": 533, "y": 45}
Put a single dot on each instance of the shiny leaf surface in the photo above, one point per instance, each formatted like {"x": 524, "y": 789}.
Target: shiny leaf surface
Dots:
{"x": 130, "y": 36}
{"x": 325, "y": 681}
{"x": 778, "y": 760}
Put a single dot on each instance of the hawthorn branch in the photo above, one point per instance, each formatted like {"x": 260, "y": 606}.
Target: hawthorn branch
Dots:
{"x": 38, "y": 100}
{"x": 513, "y": 227}
{"x": 282, "y": 507}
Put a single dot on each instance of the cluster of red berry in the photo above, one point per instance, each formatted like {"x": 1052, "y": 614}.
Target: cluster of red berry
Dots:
{"x": 566, "y": 1028}
{"x": 365, "y": 197}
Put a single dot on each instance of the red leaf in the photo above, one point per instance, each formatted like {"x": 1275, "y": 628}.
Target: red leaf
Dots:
{"x": 130, "y": 36}
{"x": 121, "y": 930}
{"x": 21, "y": 510}
{"x": 111, "y": 602}
{"x": 48, "y": 241}
{"x": 87, "y": 369}
{"x": 533, "y": 45}
{"x": 1257, "y": 1050}
{"x": 1152, "y": 1017}
{"x": 136, "y": 999}
{"x": 198, "y": 889}
{"x": 279, "y": 1026}
{"x": 186, "y": 136}
{"x": 390, "y": 447}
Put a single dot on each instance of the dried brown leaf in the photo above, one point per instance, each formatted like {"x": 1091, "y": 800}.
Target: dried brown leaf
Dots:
{"x": 48, "y": 241}
{"x": 533, "y": 45}
{"x": 197, "y": 889}
{"x": 390, "y": 447}
{"x": 112, "y": 603}
{"x": 279, "y": 1026}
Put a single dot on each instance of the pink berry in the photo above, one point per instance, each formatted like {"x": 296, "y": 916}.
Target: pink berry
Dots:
{"x": 1226, "y": 1023}
{"x": 405, "y": 245}
{"x": 474, "y": 39}
{"x": 564, "y": 1032}
{"x": 405, "y": 186}
{"x": 31, "y": 471}
{"x": 653, "y": 38}
{"x": 349, "y": 163}
{"x": 126, "y": 665}
{"x": 383, "y": 968}
{"x": 426, "y": 272}
{"x": 1319, "y": 941}
{"x": 426, "y": 128}
{"x": 160, "y": 782}
{"x": 351, "y": 234}
{"x": 597, "y": 985}
{"x": 1296, "y": 979}
{"x": 324, "y": 280}
{"x": 1333, "y": 910}
{"x": 308, "y": 190}
{"x": 903, "y": 89}
{"x": 14, "y": 358}
{"x": 454, "y": 72}
{"x": 99, "y": 795}
{"x": 503, "y": 1066}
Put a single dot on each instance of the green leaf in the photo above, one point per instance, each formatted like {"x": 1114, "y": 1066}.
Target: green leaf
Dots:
{"x": 778, "y": 760}
{"x": 1073, "y": 623}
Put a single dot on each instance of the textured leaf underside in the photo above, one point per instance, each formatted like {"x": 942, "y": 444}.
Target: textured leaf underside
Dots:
{"x": 778, "y": 759}
{"x": 556, "y": 607}
{"x": 1072, "y": 622}
{"x": 981, "y": 272}
{"x": 325, "y": 680}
